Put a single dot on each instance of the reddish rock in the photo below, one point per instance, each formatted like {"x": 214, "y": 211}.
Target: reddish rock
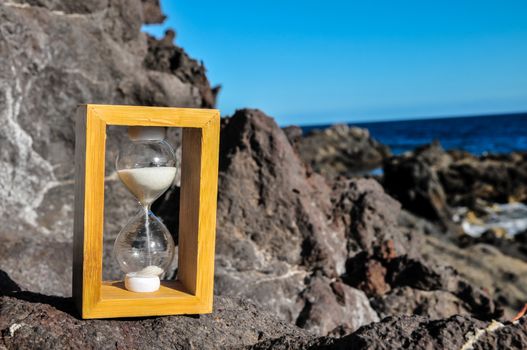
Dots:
{"x": 374, "y": 280}
{"x": 275, "y": 233}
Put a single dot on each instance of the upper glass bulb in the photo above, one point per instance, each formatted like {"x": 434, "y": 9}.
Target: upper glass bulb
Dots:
{"x": 147, "y": 164}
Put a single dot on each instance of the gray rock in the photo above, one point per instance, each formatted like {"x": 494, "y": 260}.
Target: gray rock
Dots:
{"x": 342, "y": 150}
{"x": 416, "y": 332}
{"x": 429, "y": 181}
{"x": 409, "y": 301}
{"x": 412, "y": 178}
{"x": 275, "y": 229}
{"x": 152, "y": 13}
{"x": 55, "y": 55}
{"x": 370, "y": 218}
{"x": 31, "y": 320}
{"x": 283, "y": 236}
{"x": 334, "y": 308}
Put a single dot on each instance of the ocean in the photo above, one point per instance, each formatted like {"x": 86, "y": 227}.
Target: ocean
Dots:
{"x": 478, "y": 135}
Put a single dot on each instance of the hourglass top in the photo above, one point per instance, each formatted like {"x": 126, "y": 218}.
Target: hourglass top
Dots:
{"x": 147, "y": 164}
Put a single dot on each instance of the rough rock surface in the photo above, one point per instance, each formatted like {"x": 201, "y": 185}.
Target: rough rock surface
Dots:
{"x": 55, "y": 55}
{"x": 411, "y": 301}
{"x": 502, "y": 276}
{"x": 275, "y": 233}
{"x": 429, "y": 180}
{"x": 285, "y": 239}
{"x": 416, "y": 332}
{"x": 341, "y": 150}
{"x": 489, "y": 178}
{"x": 152, "y": 13}
{"x": 349, "y": 310}
{"x": 412, "y": 178}
{"x": 317, "y": 255}
{"x": 30, "y": 320}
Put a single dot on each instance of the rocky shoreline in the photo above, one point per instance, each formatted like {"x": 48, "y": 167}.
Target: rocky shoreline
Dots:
{"x": 311, "y": 252}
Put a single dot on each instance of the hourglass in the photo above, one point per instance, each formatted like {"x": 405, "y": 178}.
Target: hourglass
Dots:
{"x": 144, "y": 248}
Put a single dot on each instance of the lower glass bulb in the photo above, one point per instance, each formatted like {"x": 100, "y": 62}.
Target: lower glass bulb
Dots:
{"x": 144, "y": 250}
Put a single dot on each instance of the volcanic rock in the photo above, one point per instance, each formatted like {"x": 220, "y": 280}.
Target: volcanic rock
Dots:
{"x": 416, "y": 332}
{"x": 342, "y": 150}
{"x": 349, "y": 308}
{"x": 412, "y": 301}
{"x": 284, "y": 236}
{"x": 502, "y": 276}
{"x": 428, "y": 181}
{"x": 275, "y": 233}
{"x": 369, "y": 217}
{"x": 152, "y": 13}
{"x": 31, "y": 320}
{"x": 491, "y": 178}
{"x": 166, "y": 57}
{"x": 54, "y": 55}
{"x": 412, "y": 178}
{"x": 294, "y": 134}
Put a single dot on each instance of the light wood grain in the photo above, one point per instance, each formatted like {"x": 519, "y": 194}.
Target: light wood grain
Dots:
{"x": 189, "y": 203}
{"x": 115, "y": 290}
{"x": 193, "y": 291}
{"x": 210, "y": 142}
{"x": 153, "y": 116}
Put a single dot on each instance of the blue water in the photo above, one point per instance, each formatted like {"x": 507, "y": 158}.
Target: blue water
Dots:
{"x": 477, "y": 135}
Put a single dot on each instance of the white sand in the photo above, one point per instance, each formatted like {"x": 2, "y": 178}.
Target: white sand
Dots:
{"x": 147, "y": 184}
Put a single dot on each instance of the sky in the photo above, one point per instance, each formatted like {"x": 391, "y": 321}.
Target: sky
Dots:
{"x": 321, "y": 62}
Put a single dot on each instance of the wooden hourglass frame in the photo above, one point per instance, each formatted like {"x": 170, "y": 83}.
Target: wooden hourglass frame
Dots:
{"x": 192, "y": 291}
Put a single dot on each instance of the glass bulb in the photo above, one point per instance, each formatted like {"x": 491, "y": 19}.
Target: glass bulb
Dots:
{"x": 144, "y": 248}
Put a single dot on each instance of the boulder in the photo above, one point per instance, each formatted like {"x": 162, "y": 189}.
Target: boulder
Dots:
{"x": 54, "y": 55}
{"x": 341, "y": 150}
{"x": 369, "y": 217}
{"x": 276, "y": 243}
{"x": 412, "y": 178}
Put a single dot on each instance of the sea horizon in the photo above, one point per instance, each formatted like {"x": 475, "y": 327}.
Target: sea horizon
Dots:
{"x": 477, "y": 134}
{"x": 408, "y": 119}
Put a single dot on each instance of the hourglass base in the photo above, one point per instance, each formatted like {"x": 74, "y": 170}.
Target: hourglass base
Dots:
{"x": 141, "y": 284}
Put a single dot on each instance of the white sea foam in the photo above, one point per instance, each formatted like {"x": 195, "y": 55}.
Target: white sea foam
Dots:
{"x": 510, "y": 217}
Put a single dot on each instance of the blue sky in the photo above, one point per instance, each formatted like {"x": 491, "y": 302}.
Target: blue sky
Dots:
{"x": 317, "y": 62}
